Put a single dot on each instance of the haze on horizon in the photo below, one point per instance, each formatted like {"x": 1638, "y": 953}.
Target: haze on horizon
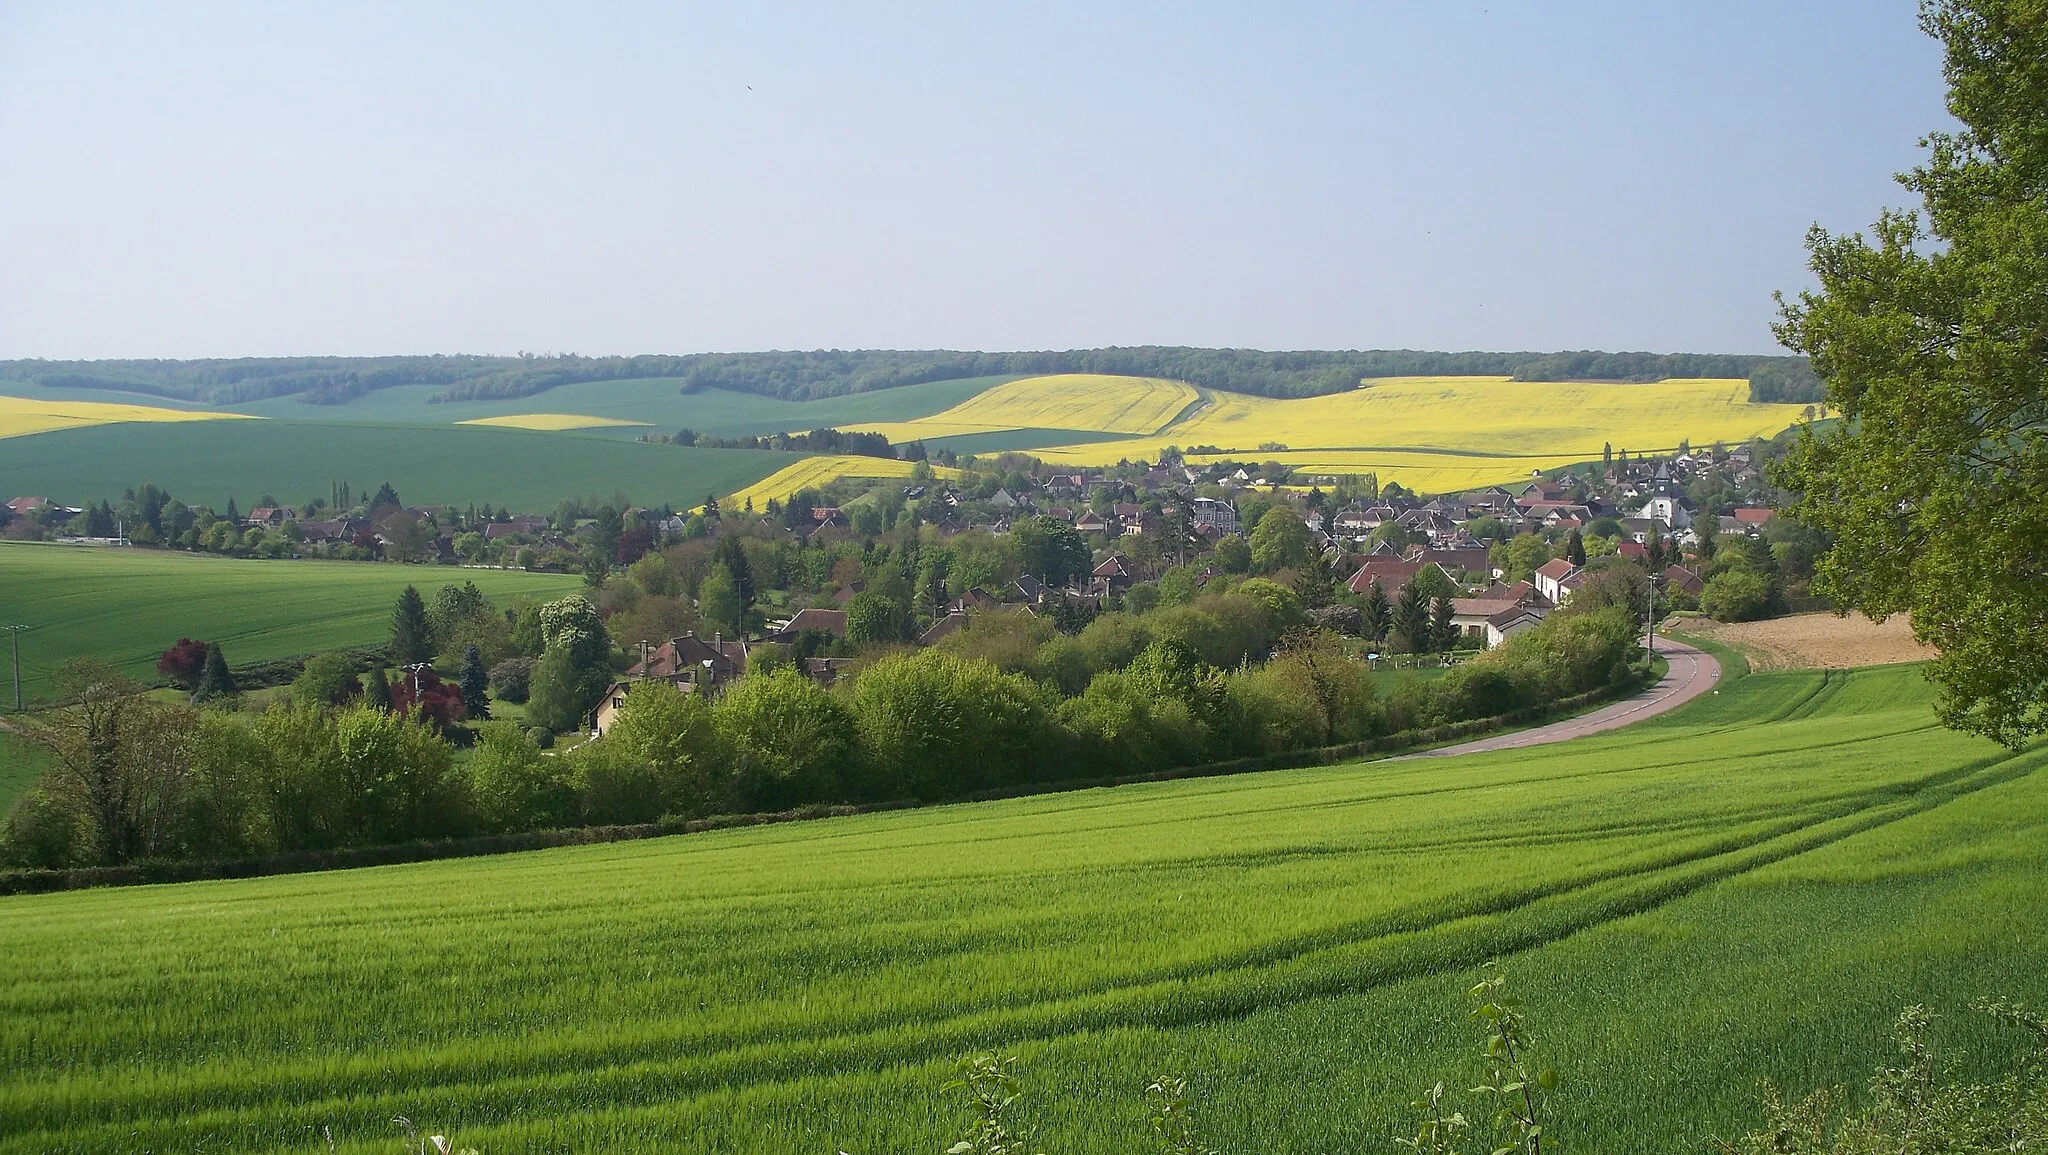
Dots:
{"x": 248, "y": 179}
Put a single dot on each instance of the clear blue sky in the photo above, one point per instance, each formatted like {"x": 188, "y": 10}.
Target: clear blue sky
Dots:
{"x": 222, "y": 180}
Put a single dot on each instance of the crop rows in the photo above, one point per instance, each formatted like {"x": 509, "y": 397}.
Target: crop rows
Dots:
{"x": 794, "y": 987}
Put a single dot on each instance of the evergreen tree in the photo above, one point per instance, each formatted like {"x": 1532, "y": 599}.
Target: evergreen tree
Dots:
{"x": 1316, "y": 584}
{"x": 734, "y": 558}
{"x": 379, "y": 692}
{"x": 1443, "y": 633}
{"x": 411, "y": 641}
{"x": 1378, "y": 612}
{"x": 1575, "y": 549}
{"x": 215, "y": 683}
{"x": 475, "y": 684}
{"x": 386, "y": 496}
{"x": 233, "y": 516}
{"x": 1411, "y": 620}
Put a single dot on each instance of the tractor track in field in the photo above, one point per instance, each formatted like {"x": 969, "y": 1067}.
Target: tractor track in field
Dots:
{"x": 614, "y": 1075}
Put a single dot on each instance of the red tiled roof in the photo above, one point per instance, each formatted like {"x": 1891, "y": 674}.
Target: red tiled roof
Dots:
{"x": 1392, "y": 573}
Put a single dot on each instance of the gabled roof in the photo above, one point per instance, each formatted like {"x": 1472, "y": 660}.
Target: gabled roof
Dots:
{"x": 1392, "y": 573}
{"x": 1556, "y": 569}
{"x": 953, "y": 621}
{"x": 1513, "y": 614}
{"x": 689, "y": 653}
{"x": 831, "y": 621}
{"x": 1113, "y": 566}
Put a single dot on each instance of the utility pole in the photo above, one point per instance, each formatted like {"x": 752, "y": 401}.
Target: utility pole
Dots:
{"x": 16, "y": 631}
{"x": 1650, "y": 618}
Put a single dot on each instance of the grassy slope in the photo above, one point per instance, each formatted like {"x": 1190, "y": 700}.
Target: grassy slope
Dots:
{"x": 657, "y": 401}
{"x": 207, "y": 462}
{"x": 21, "y": 762}
{"x": 127, "y": 606}
{"x": 1749, "y": 887}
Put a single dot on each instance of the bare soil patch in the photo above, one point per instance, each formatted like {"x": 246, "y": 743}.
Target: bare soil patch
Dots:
{"x": 1817, "y": 641}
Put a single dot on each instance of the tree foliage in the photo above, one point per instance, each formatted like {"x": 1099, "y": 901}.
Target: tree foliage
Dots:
{"x": 1930, "y": 336}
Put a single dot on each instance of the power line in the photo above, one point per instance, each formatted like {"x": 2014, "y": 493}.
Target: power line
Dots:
{"x": 15, "y": 630}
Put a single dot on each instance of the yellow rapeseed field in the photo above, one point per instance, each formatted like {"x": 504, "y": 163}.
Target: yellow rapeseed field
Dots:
{"x": 1421, "y": 472}
{"x": 812, "y": 472}
{"x": 20, "y": 416}
{"x": 1085, "y": 402}
{"x": 549, "y": 421}
{"x": 1429, "y": 433}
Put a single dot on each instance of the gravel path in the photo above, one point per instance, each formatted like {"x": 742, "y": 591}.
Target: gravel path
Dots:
{"x": 1691, "y": 673}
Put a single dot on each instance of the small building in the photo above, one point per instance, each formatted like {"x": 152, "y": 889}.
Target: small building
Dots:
{"x": 1511, "y": 621}
{"x": 805, "y": 621}
{"x": 1550, "y": 578}
{"x": 953, "y": 622}
{"x": 1111, "y": 576}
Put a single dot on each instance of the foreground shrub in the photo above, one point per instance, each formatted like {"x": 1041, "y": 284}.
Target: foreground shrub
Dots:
{"x": 663, "y": 755}
{"x": 934, "y": 725}
{"x": 791, "y": 741}
{"x": 514, "y": 787}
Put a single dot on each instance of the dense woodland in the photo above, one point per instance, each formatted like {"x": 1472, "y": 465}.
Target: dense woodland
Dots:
{"x": 799, "y": 376}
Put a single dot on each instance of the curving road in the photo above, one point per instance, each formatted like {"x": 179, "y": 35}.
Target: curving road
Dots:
{"x": 1691, "y": 673}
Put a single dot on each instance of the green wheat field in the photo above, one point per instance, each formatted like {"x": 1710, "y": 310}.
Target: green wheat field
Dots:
{"x": 1748, "y": 888}
{"x": 127, "y": 606}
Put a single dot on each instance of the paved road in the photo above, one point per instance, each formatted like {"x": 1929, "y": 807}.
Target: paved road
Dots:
{"x": 1691, "y": 674}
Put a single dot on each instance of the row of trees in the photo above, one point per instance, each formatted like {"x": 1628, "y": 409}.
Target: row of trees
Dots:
{"x": 1005, "y": 703}
{"x": 801, "y": 375}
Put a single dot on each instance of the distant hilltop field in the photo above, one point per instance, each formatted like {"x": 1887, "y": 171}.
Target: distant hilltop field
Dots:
{"x": 528, "y": 431}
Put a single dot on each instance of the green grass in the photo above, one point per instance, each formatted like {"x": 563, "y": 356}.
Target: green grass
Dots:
{"x": 655, "y": 400}
{"x": 295, "y": 461}
{"x": 21, "y": 763}
{"x": 1748, "y": 887}
{"x": 127, "y": 606}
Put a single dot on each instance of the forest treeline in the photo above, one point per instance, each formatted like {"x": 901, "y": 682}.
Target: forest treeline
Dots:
{"x": 800, "y": 376}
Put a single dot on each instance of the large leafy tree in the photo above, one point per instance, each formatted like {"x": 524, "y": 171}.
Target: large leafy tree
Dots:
{"x": 1280, "y": 540}
{"x": 1932, "y": 336}
{"x": 1053, "y": 553}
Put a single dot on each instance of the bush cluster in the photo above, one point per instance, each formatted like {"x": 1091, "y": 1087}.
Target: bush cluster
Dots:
{"x": 1004, "y": 704}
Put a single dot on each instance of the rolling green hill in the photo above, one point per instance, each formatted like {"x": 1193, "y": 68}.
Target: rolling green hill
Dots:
{"x": 296, "y": 461}
{"x": 126, "y": 606}
{"x": 658, "y": 401}
{"x": 1749, "y": 887}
